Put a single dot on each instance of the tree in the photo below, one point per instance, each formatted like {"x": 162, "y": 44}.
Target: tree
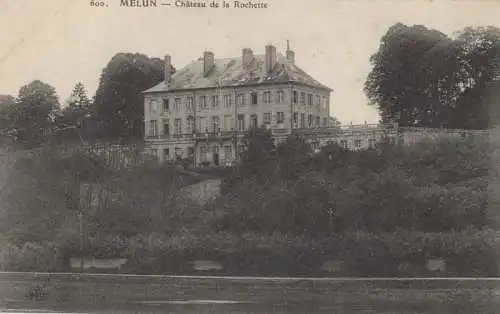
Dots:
{"x": 259, "y": 146}
{"x": 395, "y": 84}
{"x": 335, "y": 122}
{"x": 118, "y": 108}
{"x": 78, "y": 107}
{"x": 421, "y": 77}
{"x": 34, "y": 112}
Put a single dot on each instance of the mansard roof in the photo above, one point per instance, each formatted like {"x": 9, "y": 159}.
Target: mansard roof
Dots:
{"x": 230, "y": 72}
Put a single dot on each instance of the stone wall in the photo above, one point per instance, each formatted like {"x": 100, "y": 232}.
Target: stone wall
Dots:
{"x": 202, "y": 192}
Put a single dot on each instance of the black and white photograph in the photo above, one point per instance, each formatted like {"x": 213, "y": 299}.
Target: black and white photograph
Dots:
{"x": 250, "y": 156}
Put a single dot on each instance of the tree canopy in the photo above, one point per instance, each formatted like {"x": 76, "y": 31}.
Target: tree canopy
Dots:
{"x": 118, "y": 109}
{"x": 422, "y": 77}
{"x": 77, "y": 106}
{"x": 32, "y": 114}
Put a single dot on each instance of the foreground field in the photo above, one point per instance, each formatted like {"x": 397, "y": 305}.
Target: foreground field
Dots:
{"x": 176, "y": 294}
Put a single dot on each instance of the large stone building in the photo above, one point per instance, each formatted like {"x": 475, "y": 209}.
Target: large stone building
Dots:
{"x": 202, "y": 111}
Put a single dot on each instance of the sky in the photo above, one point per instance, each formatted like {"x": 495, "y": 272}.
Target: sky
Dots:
{"x": 61, "y": 42}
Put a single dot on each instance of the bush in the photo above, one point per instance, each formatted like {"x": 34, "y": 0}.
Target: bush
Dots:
{"x": 30, "y": 256}
{"x": 468, "y": 253}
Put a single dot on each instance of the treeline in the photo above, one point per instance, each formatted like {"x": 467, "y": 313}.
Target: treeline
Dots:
{"x": 419, "y": 77}
{"x": 283, "y": 211}
{"x": 115, "y": 113}
{"x": 423, "y": 77}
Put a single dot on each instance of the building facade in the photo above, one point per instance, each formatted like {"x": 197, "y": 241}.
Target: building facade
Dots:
{"x": 202, "y": 111}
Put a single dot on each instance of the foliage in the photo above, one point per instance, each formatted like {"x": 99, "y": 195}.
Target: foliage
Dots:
{"x": 429, "y": 186}
{"x": 384, "y": 205}
{"x": 33, "y": 113}
{"x": 30, "y": 257}
{"x": 422, "y": 77}
{"x": 77, "y": 111}
{"x": 470, "y": 252}
{"x": 118, "y": 110}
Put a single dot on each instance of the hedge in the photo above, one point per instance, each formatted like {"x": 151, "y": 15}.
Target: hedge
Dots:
{"x": 470, "y": 252}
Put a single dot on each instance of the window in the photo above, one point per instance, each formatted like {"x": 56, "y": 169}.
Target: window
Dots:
{"x": 357, "y": 143}
{"x": 294, "y": 97}
{"x": 241, "y": 150}
{"x": 310, "y": 99}
{"x": 203, "y": 102}
{"x": 325, "y": 121}
{"x": 280, "y": 117}
{"x": 154, "y": 153}
{"x": 228, "y": 122}
{"x": 302, "y": 98}
{"x": 215, "y": 149}
{"x": 325, "y": 102}
{"x": 166, "y": 154}
{"x": 203, "y": 153}
{"x": 309, "y": 120}
{"x": 190, "y": 152}
{"x": 152, "y": 105}
{"x": 254, "y": 121}
{"x": 153, "y": 128}
{"x": 302, "y": 120}
{"x": 201, "y": 124}
{"x": 280, "y": 96}
{"x": 190, "y": 125}
{"x": 318, "y": 100}
{"x": 178, "y": 153}
{"x": 318, "y": 121}
{"x": 178, "y": 126}
{"x": 215, "y": 101}
{"x": 267, "y": 118}
{"x": 267, "y": 97}
{"x": 177, "y": 104}
{"x": 343, "y": 143}
{"x": 166, "y": 105}
{"x": 371, "y": 142}
{"x": 189, "y": 103}
{"x": 254, "y": 98}
{"x": 227, "y": 100}
{"x": 240, "y": 99}
{"x": 241, "y": 122}
{"x": 215, "y": 123}
{"x": 295, "y": 119}
{"x": 166, "y": 127}
{"x": 228, "y": 152}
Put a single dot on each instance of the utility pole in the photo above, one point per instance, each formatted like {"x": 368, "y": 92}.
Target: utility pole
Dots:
{"x": 330, "y": 216}
{"x": 80, "y": 221}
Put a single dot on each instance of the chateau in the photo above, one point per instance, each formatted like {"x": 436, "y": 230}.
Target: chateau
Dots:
{"x": 202, "y": 111}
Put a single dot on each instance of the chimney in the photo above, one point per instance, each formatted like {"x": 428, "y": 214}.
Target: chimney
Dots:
{"x": 208, "y": 62}
{"x": 270, "y": 59}
{"x": 290, "y": 54}
{"x": 247, "y": 56}
{"x": 168, "y": 68}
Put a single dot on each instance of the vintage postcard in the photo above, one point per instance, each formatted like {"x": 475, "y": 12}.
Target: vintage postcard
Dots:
{"x": 249, "y": 156}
